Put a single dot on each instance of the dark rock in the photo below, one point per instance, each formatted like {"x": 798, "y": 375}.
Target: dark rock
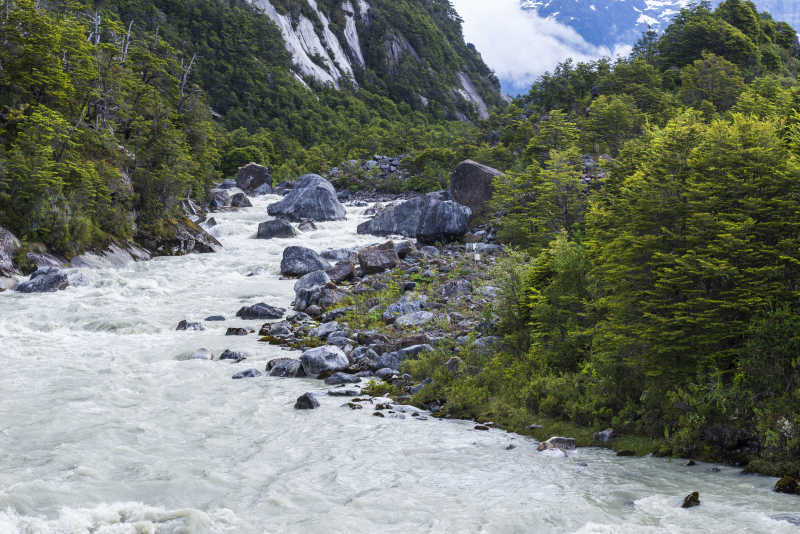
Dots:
{"x": 236, "y": 332}
{"x": 691, "y": 500}
{"x": 426, "y": 217}
{"x": 219, "y": 199}
{"x": 280, "y": 329}
{"x": 306, "y": 401}
{"x": 181, "y": 237}
{"x": 323, "y": 359}
{"x": 313, "y": 198}
{"x": 379, "y": 258}
{"x": 211, "y": 222}
{"x": 314, "y": 310}
{"x": 249, "y": 373}
{"x": 341, "y": 378}
{"x": 187, "y": 325}
{"x": 409, "y": 286}
{"x": 228, "y": 354}
{"x": 414, "y": 319}
{"x": 605, "y": 435}
{"x": 9, "y": 244}
{"x": 298, "y": 261}
{"x": 557, "y": 443}
{"x": 787, "y": 484}
{"x": 306, "y": 226}
{"x": 690, "y": 463}
{"x": 44, "y": 280}
{"x": 339, "y": 254}
{"x": 285, "y": 368}
{"x": 404, "y": 248}
{"x": 626, "y": 452}
{"x": 215, "y": 318}
{"x": 240, "y": 200}
{"x": 481, "y": 427}
{"x": 276, "y": 228}
{"x": 341, "y": 271}
{"x": 385, "y": 372}
{"x": 260, "y": 311}
{"x": 471, "y": 185}
{"x": 254, "y": 178}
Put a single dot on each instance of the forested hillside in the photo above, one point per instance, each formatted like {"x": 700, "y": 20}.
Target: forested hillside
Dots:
{"x": 114, "y": 111}
{"x": 654, "y": 203}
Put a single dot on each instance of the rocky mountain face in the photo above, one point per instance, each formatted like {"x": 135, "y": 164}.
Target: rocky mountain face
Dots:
{"x": 614, "y": 22}
{"x": 412, "y": 50}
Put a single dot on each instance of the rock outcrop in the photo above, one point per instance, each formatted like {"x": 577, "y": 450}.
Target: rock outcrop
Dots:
{"x": 325, "y": 359}
{"x": 181, "y": 237}
{"x": 471, "y": 185}
{"x": 254, "y": 179}
{"x": 313, "y": 197}
{"x": 9, "y": 244}
{"x": 429, "y": 218}
{"x": 45, "y": 280}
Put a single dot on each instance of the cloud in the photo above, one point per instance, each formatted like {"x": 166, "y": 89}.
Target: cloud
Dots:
{"x": 519, "y": 45}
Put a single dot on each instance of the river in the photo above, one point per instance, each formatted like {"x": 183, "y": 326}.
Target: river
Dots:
{"x": 106, "y": 427}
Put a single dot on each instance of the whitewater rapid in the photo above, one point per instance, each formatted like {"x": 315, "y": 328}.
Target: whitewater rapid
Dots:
{"x": 106, "y": 428}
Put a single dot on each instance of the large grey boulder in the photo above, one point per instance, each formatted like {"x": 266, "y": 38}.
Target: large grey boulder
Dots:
{"x": 45, "y": 280}
{"x": 285, "y": 368}
{"x": 240, "y": 200}
{"x": 378, "y": 258}
{"x": 182, "y": 236}
{"x": 260, "y": 311}
{"x": 276, "y": 228}
{"x": 298, "y": 261}
{"x": 471, "y": 185}
{"x": 428, "y": 218}
{"x": 313, "y": 197}
{"x": 306, "y": 401}
{"x": 312, "y": 280}
{"x": 414, "y": 319}
{"x": 9, "y": 244}
{"x": 254, "y": 178}
{"x": 557, "y": 442}
{"x": 323, "y": 360}
{"x": 406, "y": 304}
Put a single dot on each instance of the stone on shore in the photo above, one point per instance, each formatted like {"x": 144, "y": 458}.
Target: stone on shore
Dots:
{"x": 298, "y": 261}
{"x": 260, "y": 311}
{"x": 428, "y": 218}
{"x": 378, "y": 258}
{"x": 323, "y": 360}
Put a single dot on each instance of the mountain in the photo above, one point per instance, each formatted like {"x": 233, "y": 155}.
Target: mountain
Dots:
{"x": 613, "y": 22}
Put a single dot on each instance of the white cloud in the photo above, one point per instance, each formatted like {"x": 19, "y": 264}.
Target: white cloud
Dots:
{"x": 519, "y": 45}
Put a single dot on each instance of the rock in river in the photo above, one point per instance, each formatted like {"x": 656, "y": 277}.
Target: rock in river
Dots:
{"x": 306, "y": 401}
{"x": 298, "y": 261}
{"x": 276, "y": 228}
{"x": 323, "y": 359}
{"x": 313, "y": 197}
{"x": 44, "y": 280}
{"x": 254, "y": 178}
{"x": 260, "y": 311}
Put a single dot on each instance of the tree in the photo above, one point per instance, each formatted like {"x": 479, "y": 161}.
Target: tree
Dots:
{"x": 713, "y": 79}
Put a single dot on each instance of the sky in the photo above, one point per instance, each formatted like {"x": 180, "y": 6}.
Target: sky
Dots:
{"x": 518, "y": 45}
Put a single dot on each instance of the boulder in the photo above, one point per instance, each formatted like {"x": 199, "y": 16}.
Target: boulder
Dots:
{"x": 322, "y": 360}
{"x": 44, "y": 280}
{"x": 691, "y": 500}
{"x": 249, "y": 373}
{"x": 285, "y": 368}
{"x": 427, "y": 217}
{"x": 339, "y": 254}
{"x": 254, "y": 178}
{"x": 404, "y": 248}
{"x": 341, "y": 378}
{"x": 342, "y": 271}
{"x": 240, "y": 200}
{"x": 190, "y": 325}
{"x": 312, "y": 280}
{"x": 414, "y": 319}
{"x": 306, "y": 226}
{"x": 280, "y": 329}
{"x": 453, "y": 365}
{"x": 557, "y": 443}
{"x": 787, "y": 484}
{"x": 227, "y": 184}
{"x": 406, "y": 304}
{"x": 9, "y": 244}
{"x": 313, "y": 197}
{"x": 181, "y": 237}
{"x": 276, "y": 228}
{"x": 385, "y": 373}
{"x": 234, "y": 331}
{"x": 260, "y": 311}
{"x": 324, "y": 330}
{"x": 378, "y": 258}
{"x": 456, "y": 287}
{"x": 306, "y": 401}
{"x": 228, "y": 354}
{"x": 202, "y": 354}
{"x": 298, "y": 261}
{"x": 471, "y": 185}
{"x": 219, "y": 199}
{"x": 215, "y": 318}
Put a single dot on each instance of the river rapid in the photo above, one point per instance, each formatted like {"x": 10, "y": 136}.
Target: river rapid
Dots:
{"x": 106, "y": 427}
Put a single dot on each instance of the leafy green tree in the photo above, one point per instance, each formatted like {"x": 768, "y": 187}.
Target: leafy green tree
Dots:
{"x": 713, "y": 79}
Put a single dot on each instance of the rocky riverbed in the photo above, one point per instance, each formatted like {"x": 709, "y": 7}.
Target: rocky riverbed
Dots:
{"x": 114, "y": 421}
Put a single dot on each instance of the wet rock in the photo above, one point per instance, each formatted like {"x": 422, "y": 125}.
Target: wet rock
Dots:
{"x": 285, "y": 368}
{"x": 45, "y": 280}
{"x": 312, "y": 198}
{"x": 481, "y": 427}
{"x": 228, "y": 354}
{"x": 279, "y": 329}
{"x": 202, "y": 354}
{"x": 323, "y": 360}
{"x": 254, "y": 178}
{"x": 339, "y": 254}
{"x": 414, "y": 319}
{"x": 249, "y": 373}
{"x": 344, "y": 393}
{"x": 306, "y": 226}
{"x": 9, "y": 244}
{"x": 605, "y": 436}
{"x": 306, "y": 401}
{"x": 378, "y": 258}
{"x": 190, "y": 325}
{"x": 341, "y": 378}
{"x": 298, "y": 261}
{"x": 556, "y": 442}
{"x": 787, "y": 484}
{"x": 233, "y": 331}
{"x": 690, "y": 463}
{"x": 691, "y": 500}
{"x": 626, "y": 452}
{"x": 323, "y": 330}
{"x": 426, "y": 217}
{"x": 405, "y": 305}
{"x": 211, "y": 222}
{"x": 276, "y": 228}
{"x": 213, "y": 318}
{"x": 471, "y": 185}
{"x": 260, "y": 311}
{"x": 341, "y": 271}
{"x": 219, "y": 199}
{"x": 181, "y": 236}
{"x": 240, "y": 200}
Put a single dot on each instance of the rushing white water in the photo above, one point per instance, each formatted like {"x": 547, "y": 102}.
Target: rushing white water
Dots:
{"x": 105, "y": 428}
